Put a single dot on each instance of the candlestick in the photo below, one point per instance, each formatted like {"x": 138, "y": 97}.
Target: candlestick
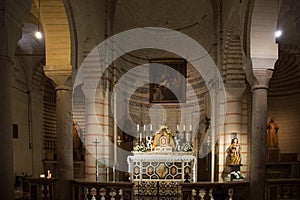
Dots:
{"x": 140, "y": 138}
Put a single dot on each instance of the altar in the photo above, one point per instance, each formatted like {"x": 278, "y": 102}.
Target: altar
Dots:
{"x": 162, "y": 157}
{"x": 153, "y": 166}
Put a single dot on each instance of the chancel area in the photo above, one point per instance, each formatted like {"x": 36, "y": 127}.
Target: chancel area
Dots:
{"x": 128, "y": 99}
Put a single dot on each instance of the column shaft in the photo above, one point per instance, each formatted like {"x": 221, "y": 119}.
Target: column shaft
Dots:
{"x": 6, "y": 147}
{"x": 258, "y": 143}
{"x": 64, "y": 143}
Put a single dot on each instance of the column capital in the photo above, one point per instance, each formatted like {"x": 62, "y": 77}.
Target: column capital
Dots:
{"x": 235, "y": 90}
{"x": 60, "y": 75}
{"x": 261, "y": 78}
{"x": 63, "y": 87}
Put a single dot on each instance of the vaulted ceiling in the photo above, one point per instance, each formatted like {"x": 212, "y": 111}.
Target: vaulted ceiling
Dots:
{"x": 193, "y": 17}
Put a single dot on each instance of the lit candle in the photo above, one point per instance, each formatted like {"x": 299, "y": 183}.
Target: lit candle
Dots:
{"x": 137, "y": 127}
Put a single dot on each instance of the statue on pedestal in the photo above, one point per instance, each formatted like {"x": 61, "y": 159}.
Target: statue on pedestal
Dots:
{"x": 234, "y": 159}
{"x": 272, "y": 134}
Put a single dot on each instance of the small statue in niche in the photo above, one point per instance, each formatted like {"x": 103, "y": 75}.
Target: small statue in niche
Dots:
{"x": 234, "y": 159}
{"x": 234, "y": 150}
{"x": 76, "y": 135}
{"x": 78, "y": 147}
{"x": 272, "y": 134}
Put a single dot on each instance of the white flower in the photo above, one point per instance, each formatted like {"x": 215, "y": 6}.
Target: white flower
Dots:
{"x": 139, "y": 148}
{"x": 187, "y": 147}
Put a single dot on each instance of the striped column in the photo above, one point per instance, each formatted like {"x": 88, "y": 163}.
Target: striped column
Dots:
{"x": 97, "y": 101}
{"x": 233, "y": 124}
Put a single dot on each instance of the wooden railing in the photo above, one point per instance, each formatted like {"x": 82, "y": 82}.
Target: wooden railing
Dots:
{"x": 287, "y": 189}
{"x": 88, "y": 190}
{"x": 216, "y": 190}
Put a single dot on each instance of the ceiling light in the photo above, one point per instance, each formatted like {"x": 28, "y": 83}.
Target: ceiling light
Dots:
{"x": 38, "y": 33}
{"x": 278, "y": 33}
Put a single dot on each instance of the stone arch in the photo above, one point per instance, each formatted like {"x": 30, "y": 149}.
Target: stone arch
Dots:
{"x": 232, "y": 70}
{"x": 57, "y": 34}
{"x": 262, "y": 33}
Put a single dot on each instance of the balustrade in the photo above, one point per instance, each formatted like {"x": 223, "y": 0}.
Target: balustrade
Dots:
{"x": 287, "y": 189}
{"x": 42, "y": 188}
{"x": 86, "y": 190}
{"x": 215, "y": 190}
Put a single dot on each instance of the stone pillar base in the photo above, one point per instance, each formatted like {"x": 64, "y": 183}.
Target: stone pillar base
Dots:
{"x": 273, "y": 155}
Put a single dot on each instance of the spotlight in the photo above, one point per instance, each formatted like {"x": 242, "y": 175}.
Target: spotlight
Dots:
{"x": 38, "y": 35}
{"x": 278, "y": 33}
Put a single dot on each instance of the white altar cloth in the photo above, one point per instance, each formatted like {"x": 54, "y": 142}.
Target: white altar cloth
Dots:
{"x": 160, "y": 166}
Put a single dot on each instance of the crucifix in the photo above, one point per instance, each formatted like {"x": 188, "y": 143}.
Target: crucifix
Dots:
{"x": 97, "y": 172}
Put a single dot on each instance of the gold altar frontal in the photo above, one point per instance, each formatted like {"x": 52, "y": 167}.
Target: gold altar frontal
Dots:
{"x": 160, "y": 166}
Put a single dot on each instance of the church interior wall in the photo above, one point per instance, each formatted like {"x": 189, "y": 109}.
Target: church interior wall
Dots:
{"x": 22, "y": 150}
{"x": 285, "y": 110}
{"x": 37, "y": 142}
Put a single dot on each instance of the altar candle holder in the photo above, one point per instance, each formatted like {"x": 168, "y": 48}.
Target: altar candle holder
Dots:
{"x": 177, "y": 133}
{"x": 184, "y": 136}
{"x": 144, "y": 137}
{"x": 190, "y": 136}
{"x": 140, "y": 138}
{"x": 137, "y": 138}
{"x": 119, "y": 140}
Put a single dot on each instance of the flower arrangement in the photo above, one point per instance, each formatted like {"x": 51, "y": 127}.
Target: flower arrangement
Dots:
{"x": 187, "y": 147}
{"x": 139, "y": 148}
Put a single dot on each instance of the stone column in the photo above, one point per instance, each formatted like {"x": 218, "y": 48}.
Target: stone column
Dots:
{"x": 64, "y": 141}
{"x": 258, "y": 135}
{"x": 6, "y": 147}
{"x": 12, "y": 15}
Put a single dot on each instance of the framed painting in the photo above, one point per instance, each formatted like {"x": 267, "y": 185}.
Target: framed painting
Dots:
{"x": 168, "y": 80}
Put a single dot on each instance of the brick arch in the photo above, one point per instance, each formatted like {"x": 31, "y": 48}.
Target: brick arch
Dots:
{"x": 232, "y": 70}
{"x": 57, "y": 34}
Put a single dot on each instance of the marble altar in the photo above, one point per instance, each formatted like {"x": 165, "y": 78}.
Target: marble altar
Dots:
{"x": 159, "y": 158}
